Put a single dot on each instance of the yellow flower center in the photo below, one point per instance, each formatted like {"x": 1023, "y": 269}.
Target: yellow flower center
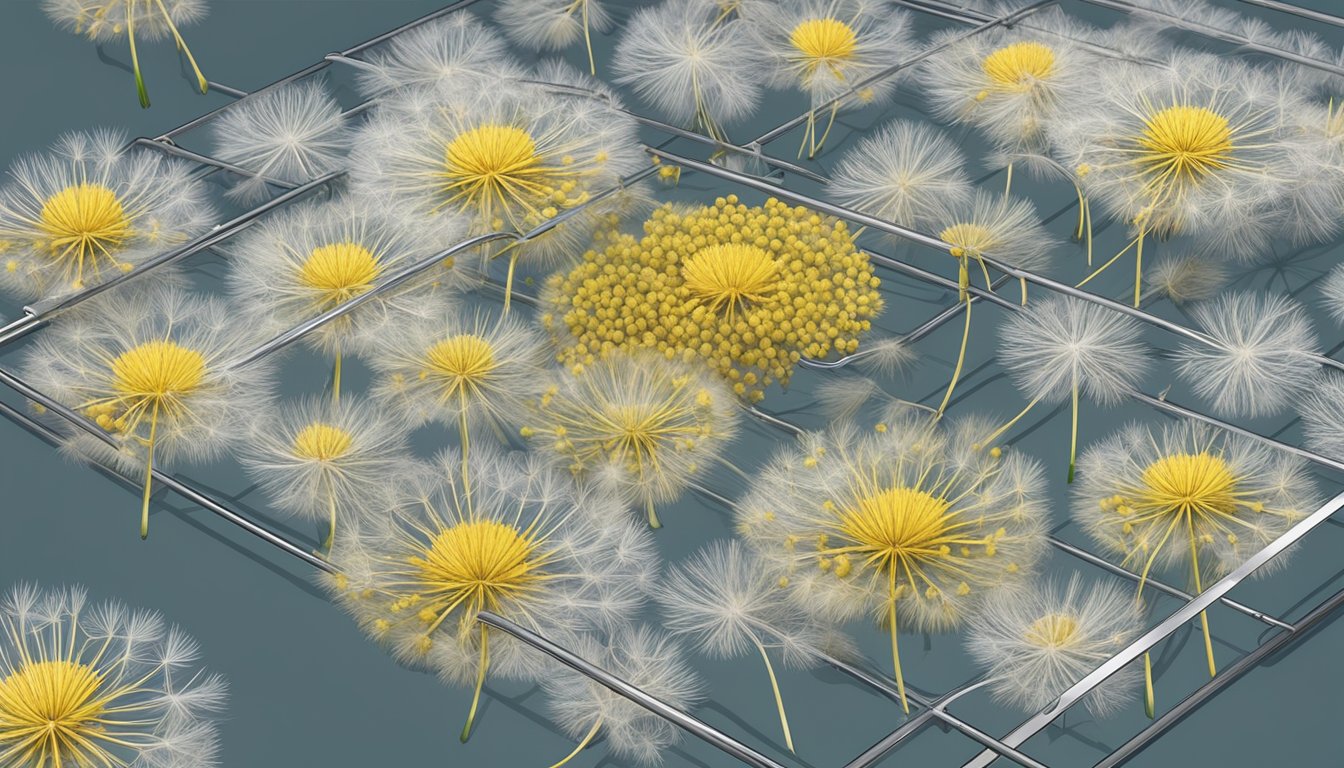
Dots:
{"x": 824, "y": 40}
{"x": 972, "y": 239}
{"x": 84, "y": 224}
{"x": 1183, "y": 144}
{"x": 730, "y": 275}
{"x": 340, "y": 271}
{"x": 1053, "y": 630}
{"x": 157, "y": 375}
{"x": 460, "y": 364}
{"x": 479, "y": 564}
{"x": 322, "y": 442}
{"x": 1018, "y": 66}
{"x": 50, "y": 713}
{"x": 495, "y": 165}
{"x": 1185, "y": 483}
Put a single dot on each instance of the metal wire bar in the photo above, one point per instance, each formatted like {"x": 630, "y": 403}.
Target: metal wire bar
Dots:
{"x": 168, "y": 481}
{"x": 938, "y": 244}
{"x": 232, "y": 93}
{"x": 1157, "y": 634}
{"x": 1213, "y": 33}
{"x": 693, "y": 725}
{"x": 34, "y": 316}
{"x": 910, "y": 727}
{"x": 1008, "y": 18}
{"x": 1297, "y": 10}
{"x": 169, "y": 148}
{"x": 1225, "y": 678}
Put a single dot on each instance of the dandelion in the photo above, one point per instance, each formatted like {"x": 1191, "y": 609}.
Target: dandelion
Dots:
{"x": 907, "y": 522}
{"x": 90, "y": 209}
{"x": 584, "y": 709}
{"x": 151, "y": 368}
{"x": 1038, "y": 640}
{"x": 293, "y": 133}
{"x": 1261, "y": 356}
{"x": 1316, "y": 182}
{"x": 1227, "y": 496}
{"x": 505, "y": 158}
{"x": 1322, "y": 411}
{"x": 320, "y": 459}
{"x": 1000, "y": 228}
{"x": 314, "y": 258}
{"x": 727, "y": 603}
{"x": 1063, "y": 346}
{"x": 1194, "y": 147}
{"x": 692, "y": 63}
{"x": 100, "y": 685}
{"x": 456, "y": 51}
{"x": 747, "y": 290}
{"x": 908, "y": 173}
{"x": 459, "y": 370}
{"x": 641, "y": 424}
{"x": 1332, "y": 289}
{"x": 834, "y": 51}
{"x": 554, "y": 25}
{"x": 1187, "y": 278}
{"x": 105, "y": 20}
{"x": 523, "y": 543}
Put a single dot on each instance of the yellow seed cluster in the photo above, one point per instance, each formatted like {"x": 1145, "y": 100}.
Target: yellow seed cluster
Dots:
{"x": 789, "y": 283}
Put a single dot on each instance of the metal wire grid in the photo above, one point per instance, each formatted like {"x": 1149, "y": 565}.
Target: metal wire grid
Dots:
{"x": 932, "y": 709}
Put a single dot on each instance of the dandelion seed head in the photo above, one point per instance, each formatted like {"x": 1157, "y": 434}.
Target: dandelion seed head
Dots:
{"x": 908, "y": 173}
{"x": 551, "y": 24}
{"x": 995, "y": 227}
{"x": 456, "y": 51}
{"x": 1185, "y": 279}
{"x": 105, "y": 20}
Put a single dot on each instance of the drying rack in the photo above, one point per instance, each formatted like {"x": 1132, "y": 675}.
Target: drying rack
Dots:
{"x": 929, "y": 709}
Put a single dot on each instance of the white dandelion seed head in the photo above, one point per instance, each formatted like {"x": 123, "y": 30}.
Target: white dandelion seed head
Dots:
{"x": 454, "y": 52}
{"x": 126, "y": 355}
{"x": 842, "y": 397}
{"x": 1332, "y": 291}
{"x": 551, "y": 25}
{"x": 1322, "y": 412}
{"x": 728, "y": 603}
{"x": 454, "y": 364}
{"x": 1011, "y": 83}
{"x": 1236, "y": 493}
{"x": 1261, "y": 358}
{"x": 89, "y": 209}
{"x": 639, "y": 656}
{"x": 313, "y": 257}
{"x": 509, "y": 539}
{"x": 1002, "y": 228}
{"x": 636, "y": 423}
{"x": 908, "y": 173}
{"x": 1060, "y": 343}
{"x": 888, "y": 356}
{"x": 1215, "y": 119}
{"x": 1186, "y": 278}
{"x": 128, "y": 684}
{"x": 508, "y": 159}
{"x": 1316, "y": 183}
{"x": 825, "y": 48}
{"x": 690, "y": 64}
{"x": 1037, "y": 640}
{"x": 105, "y": 20}
{"x": 315, "y": 455}
{"x": 824, "y": 515}
{"x": 292, "y": 133}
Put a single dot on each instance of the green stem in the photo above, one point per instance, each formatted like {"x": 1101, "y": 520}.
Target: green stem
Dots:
{"x": 961, "y": 359}
{"x": 1073, "y": 432}
{"x": 182, "y": 46}
{"x": 653, "y": 516}
{"x": 336, "y": 379}
{"x": 896, "y": 660}
{"x": 1008, "y": 185}
{"x": 135, "y": 56}
{"x": 149, "y": 473}
{"x": 779, "y": 700}
{"x": 1203, "y": 615}
{"x": 481, "y": 666}
{"x": 587, "y": 739}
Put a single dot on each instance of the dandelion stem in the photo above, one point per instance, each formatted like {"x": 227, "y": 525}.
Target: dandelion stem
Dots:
{"x": 135, "y": 56}
{"x": 829, "y": 124}
{"x": 1082, "y": 209}
{"x": 182, "y": 46}
{"x": 1073, "y": 431}
{"x": 149, "y": 473}
{"x": 779, "y": 700}
{"x": 734, "y": 468}
{"x": 1112, "y": 260}
{"x": 466, "y": 445}
{"x": 587, "y": 739}
{"x": 1203, "y": 615}
{"x": 961, "y": 359}
{"x": 588, "y": 41}
{"x": 331, "y": 527}
{"x": 1088, "y": 203}
{"x": 1010, "y": 423}
{"x": 1023, "y": 282}
{"x": 336, "y": 379}
{"x": 896, "y": 659}
{"x": 1008, "y": 185}
{"x": 1149, "y": 705}
{"x": 508, "y": 281}
{"x": 481, "y": 667}
{"x": 653, "y": 516}
{"x": 1138, "y": 268}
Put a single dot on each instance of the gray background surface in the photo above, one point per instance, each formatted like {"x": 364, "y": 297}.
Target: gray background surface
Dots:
{"x": 308, "y": 689}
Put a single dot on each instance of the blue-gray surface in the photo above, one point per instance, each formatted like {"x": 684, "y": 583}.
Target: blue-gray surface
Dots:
{"x": 308, "y": 689}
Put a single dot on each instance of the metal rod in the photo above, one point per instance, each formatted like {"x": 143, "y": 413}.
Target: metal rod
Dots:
{"x": 232, "y": 93}
{"x": 1225, "y": 678}
{"x": 168, "y": 147}
{"x": 889, "y": 742}
{"x": 1157, "y": 634}
{"x": 168, "y": 481}
{"x": 1297, "y": 10}
{"x": 692, "y": 725}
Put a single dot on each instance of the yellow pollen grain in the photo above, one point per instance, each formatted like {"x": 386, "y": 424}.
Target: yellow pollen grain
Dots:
{"x": 1017, "y": 67}
{"x": 322, "y": 442}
